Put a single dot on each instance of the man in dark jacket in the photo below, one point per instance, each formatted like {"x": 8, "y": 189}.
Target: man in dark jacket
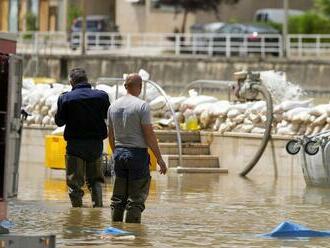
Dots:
{"x": 83, "y": 112}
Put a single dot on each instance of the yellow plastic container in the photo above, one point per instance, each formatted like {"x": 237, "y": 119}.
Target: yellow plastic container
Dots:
{"x": 55, "y": 153}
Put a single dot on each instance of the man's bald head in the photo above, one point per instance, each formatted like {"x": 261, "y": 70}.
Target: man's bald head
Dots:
{"x": 133, "y": 84}
{"x": 133, "y": 79}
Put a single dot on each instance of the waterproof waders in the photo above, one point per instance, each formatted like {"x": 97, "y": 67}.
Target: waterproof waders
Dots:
{"x": 129, "y": 195}
{"x": 77, "y": 170}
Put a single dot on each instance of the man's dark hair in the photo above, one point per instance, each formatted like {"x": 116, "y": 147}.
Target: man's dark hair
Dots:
{"x": 78, "y": 75}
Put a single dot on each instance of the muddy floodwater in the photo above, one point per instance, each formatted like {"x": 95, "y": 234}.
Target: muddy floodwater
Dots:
{"x": 183, "y": 210}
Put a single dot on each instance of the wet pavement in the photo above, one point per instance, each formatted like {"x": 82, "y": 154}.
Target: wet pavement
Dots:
{"x": 189, "y": 210}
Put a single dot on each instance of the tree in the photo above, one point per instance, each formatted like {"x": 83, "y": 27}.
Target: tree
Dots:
{"x": 322, "y": 6}
{"x": 192, "y": 6}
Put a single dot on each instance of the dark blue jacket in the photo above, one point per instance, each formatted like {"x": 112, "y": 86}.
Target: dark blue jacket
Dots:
{"x": 83, "y": 111}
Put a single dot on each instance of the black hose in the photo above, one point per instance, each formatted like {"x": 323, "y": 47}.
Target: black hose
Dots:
{"x": 263, "y": 90}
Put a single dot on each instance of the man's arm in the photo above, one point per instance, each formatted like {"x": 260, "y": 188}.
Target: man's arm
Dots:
{"x": 111, "y": 135}
{"x": 152, "y": 142}
{"x": 60, "y": 119}
{"x": 111, "y": 139}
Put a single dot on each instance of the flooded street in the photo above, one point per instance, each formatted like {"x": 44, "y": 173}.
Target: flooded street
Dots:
{"x": 183, "y": 210}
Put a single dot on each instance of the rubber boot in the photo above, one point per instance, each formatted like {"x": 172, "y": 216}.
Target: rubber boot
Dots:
{"x": 96, "y": 191}
{"x": 75, "y": 172}
{"x": 138, "y": 191}
{"x": 119, "y": 199}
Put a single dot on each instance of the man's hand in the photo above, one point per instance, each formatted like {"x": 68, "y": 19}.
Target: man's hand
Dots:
{"x": 162, "y": 166}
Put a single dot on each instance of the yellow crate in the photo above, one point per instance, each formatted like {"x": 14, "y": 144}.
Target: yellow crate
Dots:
{"x": 55, "y": 147}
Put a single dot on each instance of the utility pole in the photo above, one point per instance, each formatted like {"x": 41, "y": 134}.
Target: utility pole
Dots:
{"x": 285, "y": 26}
{"x": 83, "y": 27}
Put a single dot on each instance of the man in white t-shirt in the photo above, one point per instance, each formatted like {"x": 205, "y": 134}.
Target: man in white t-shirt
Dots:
{"x": 130, "y": 135}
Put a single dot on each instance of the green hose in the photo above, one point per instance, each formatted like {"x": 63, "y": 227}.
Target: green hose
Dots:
{"x": 263, "y": 90}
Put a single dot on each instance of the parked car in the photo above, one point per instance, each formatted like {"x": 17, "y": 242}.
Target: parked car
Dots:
{"x": 253, "y": 34}
{"x": 274, "y": 15}
{"x": 94, "y": 24}
{"x": 206, "y": 27}
{"x": 199, "y": 30}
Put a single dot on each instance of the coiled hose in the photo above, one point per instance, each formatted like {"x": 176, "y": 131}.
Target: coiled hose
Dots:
{"x": 269, "y": 102}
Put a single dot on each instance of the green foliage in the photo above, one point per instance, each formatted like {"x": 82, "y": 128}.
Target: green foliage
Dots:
{"x": 309, "y": 23}
{"x": 73, "y": 12}
{"x": 31, "y": 21}
{"x": 322, "y": 6}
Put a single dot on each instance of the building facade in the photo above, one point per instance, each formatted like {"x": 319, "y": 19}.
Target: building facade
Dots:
{"x": 132, "y": 16}
{"x": 149, "y": 16}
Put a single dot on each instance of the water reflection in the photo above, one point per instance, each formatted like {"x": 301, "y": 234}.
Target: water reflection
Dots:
{"x": 183, "y": 210}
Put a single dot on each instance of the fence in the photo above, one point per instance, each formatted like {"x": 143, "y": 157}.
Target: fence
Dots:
{"x": 60, "y": 43}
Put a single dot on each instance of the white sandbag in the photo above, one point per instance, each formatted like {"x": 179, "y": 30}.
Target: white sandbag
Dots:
{"x": 202, "y": 108}
{"x": 320, "y": 121}
{"x": 239, "y": 118}
{"x": 46, "y": 120}
{"x": 320, "y": 110}
{"x": 106, "y": 88}
{"x": 326, "y": 127}
{"x": 302, "y": 129}
{"x": 219, "y": 108}
{"x": 288, "y": 105}
{"x": 217, "y": 123}
{"x": 317, "y": 129}
{"x": 258, "y": 130}
{"x": 257, "y": 107}
{"x": 28, "y": 83}
{"x": 255, "y": 118}
{"x": 205, "y": 119}
{"x": 193, "y": 101}
{"x": 247, "y": 128}
{"x": 38, "y": 119}
{"x": 296, "y": 111}
{"x": 158, "y": 103}
{"x": 237, "y": 128}
{"x": 30, "y": 120}
{"x": 44, "y": 110}
{"x": 233, "y": 113}
{"x": 177, "y": 101}
{"x": 285, "y": 130}
{"x": 59, "y": 131}
{"x": 51, "y": 100}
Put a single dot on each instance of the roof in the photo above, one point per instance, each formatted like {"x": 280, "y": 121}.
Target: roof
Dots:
{"x": 8, "y": 36}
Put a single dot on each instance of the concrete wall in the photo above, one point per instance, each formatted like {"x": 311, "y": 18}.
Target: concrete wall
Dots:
{"x": 236, "y": 150}
{"x": 175, "y": 72}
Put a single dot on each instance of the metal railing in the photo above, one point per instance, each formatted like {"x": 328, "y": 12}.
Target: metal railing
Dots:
{"x": 207, "y": 44}
{"x": 116, "y": 81}
{"x": 222, "y": 84}
{"x": 303, "y": 45}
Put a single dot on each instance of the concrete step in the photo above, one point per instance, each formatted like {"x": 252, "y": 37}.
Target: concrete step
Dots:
{"x": 199, "y": 170}
{"x": 192, "y": 161}
{"x": 171, "y": 136}
{"x": 187, "y": 148}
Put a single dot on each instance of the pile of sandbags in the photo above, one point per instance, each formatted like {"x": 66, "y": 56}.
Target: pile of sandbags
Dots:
{"x": 40, "y": 100}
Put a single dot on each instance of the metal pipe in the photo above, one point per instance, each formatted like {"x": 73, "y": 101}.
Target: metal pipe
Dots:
{"x": 177, "y": 127}
{"x": 267, "y": 135}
